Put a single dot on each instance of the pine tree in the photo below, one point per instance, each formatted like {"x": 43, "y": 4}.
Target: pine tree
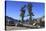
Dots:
{"x": 22, "y": 13}
{"x": 30, "y": 12}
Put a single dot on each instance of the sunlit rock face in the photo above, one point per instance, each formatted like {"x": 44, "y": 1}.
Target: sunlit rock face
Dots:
{"x": 43, "y": 18}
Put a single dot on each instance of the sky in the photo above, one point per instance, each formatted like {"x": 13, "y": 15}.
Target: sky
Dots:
{"x": 13, "y": 9}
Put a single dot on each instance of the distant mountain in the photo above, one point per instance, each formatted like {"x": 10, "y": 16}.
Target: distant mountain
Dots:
{"x": 41, "y": 18}
{"x": 10, "y": 19}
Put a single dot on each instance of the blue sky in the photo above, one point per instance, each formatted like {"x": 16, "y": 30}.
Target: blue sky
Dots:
{"x": 13, "y": 9}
